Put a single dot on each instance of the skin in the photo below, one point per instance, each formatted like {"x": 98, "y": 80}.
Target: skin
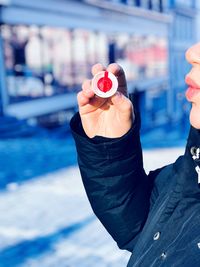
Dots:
{"x": 193, "y": 57}
{"x": 113, "y": 117}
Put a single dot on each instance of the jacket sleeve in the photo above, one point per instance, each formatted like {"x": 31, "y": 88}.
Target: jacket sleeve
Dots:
{"x": 115, "y": 182}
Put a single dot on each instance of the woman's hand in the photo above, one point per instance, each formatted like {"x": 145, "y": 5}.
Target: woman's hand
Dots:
{"x": 109, "y": 117}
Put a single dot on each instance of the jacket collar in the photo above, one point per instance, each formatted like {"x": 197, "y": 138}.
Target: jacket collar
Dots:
{"x": 193, "y": 139}
{"x": 187, "y": 166}
{"x": 185, "y": 178}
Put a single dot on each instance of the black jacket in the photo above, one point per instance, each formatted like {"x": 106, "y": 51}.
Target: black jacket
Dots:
{"x": 155, "y": 216}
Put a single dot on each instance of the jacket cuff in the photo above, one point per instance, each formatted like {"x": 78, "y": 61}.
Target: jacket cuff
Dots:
{"x": 103, "y": 148}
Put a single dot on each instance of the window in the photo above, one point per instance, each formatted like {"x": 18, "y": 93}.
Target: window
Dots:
{"x": 46, "y": 61}
{"x": 142, "y": 56}
{"x": 137, "y": 2}
{"x": 23, "y": 62}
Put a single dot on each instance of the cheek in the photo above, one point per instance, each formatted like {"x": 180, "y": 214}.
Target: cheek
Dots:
{"x": 195, "y": 116}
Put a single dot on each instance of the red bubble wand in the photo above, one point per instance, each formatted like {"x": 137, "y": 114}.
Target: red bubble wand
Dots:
{"x": 104, "y": 84}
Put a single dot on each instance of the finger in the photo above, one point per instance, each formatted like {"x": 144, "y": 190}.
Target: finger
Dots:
{"x": 87, "y": 89}
{"x": 97, "y": 68}
{"x": 122, "y": 103}
{"x": 118, "y": 71}
{"x": 82, "y": 99}
{"x": 92, "y": 104}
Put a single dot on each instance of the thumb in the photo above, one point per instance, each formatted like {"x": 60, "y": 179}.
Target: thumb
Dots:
{"x": 122, "y": 103}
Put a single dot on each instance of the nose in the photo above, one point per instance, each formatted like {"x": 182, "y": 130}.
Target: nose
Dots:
{"x": 193, "y": 54}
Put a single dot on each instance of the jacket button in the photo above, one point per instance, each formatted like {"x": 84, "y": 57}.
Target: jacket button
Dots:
{"x": 156, "y": 236}
{"x": 163, "y": 255}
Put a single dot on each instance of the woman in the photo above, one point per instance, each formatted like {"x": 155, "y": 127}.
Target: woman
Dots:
{"x": 155, "y": 216}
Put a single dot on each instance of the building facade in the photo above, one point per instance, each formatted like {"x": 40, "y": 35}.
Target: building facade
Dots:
{"x": 48, "y": 48}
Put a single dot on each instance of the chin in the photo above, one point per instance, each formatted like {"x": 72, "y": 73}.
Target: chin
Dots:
{"x": 195, "y": 117}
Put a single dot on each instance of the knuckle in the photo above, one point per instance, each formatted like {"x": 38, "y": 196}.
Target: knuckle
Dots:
{"x": 129, "y": 105}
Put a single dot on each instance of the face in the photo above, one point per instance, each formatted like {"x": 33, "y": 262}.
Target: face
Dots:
{"x": 193, "y": 81}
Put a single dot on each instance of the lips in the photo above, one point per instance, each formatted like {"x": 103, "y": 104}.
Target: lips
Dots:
{"x": 193, "y": 89}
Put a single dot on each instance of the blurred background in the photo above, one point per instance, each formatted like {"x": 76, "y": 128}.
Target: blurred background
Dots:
{"x": 47, "y": 49}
